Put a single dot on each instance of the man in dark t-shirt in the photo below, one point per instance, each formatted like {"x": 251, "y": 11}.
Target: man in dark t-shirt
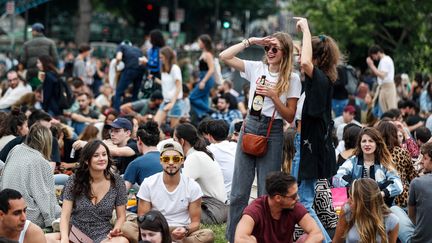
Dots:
{"x": 123, "y": 149}
{"x": 85, "y": 114}
{"x": 149, "y": 162}
{"x": 272, "y": 217}
{"x": 132, "y": 72}
{"x": 44, "y": 119}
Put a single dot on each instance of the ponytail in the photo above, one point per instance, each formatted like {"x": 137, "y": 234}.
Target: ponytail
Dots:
{"x": 189, "y": 133}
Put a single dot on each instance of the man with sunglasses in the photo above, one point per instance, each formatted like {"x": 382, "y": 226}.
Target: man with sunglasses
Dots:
{"x": 17, "y": 88}
{"x": 272, "y": 217}
{"x": 178, "y": 198}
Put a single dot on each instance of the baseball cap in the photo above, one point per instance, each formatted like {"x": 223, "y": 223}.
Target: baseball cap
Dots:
{"x": 350, "y": 109}
{"x": 172, "y": 145}
{"x": 38, "y": 27}
{"x": 122, "y": 123}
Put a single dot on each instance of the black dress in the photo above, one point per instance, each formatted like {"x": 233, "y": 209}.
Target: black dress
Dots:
{"x": 317, "y": 153}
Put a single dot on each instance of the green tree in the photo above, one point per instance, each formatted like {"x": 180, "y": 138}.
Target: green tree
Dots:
{"x": 402, "y": 28}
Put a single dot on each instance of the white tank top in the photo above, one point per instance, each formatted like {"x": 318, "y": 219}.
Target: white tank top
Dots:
{"x": 23, "y": 232}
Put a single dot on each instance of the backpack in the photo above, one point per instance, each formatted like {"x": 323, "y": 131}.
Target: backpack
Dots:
{"x": 352, "y": 80}
{"x": 153, "y": 63}
{"x": 64, "y": 94}
{"x": 217, "y": 75}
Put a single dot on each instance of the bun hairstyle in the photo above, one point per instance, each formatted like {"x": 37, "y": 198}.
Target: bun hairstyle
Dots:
{"x": 326, "y": 53}
{"x": 149, "y": 133}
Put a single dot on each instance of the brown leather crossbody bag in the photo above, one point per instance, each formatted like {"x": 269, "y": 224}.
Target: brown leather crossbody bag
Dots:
{"x": 256, "y": 145}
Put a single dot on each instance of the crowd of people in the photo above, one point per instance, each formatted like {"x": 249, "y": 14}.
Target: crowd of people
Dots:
{"x": 129, "y": 150}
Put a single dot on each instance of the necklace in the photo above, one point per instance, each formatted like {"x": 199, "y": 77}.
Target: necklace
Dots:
{"x": 274, "y": 75}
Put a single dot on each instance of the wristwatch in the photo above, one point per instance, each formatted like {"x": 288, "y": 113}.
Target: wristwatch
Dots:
{"x": 187, "y": 230}
{"x": 246, "y": 43}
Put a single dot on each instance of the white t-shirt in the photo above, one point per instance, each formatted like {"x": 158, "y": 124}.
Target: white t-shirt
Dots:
{"x": 200, "y": 167}
{"x": 300, "y": 102}
{"x": 102, "y": 100}
{"x": 169, "y": 83}
{"x": 173, "y": 205}
{"x": 386, "y": 65}
{"x": 253, "y": 72}
{"x": 224, "y": 153}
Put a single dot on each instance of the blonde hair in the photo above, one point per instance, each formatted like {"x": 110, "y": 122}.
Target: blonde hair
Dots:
{"x": 286, "y": 64}
{"x": 367, "y": 211}
{"x": 40, "y": 139}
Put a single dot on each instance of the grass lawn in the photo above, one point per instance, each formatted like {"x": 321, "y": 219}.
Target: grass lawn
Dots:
{"x": 219, "y": 231}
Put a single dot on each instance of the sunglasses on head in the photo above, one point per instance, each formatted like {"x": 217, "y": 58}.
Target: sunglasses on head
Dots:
{"x": 174, "y": 158}
{"x": 272, "y": 49}
{"x": 148, "y": 217}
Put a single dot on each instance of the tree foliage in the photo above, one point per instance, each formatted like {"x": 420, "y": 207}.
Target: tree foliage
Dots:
{"x": 402, "y": 28}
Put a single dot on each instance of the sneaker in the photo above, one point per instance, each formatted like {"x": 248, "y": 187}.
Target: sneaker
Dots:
{"x": 56, "y": 225}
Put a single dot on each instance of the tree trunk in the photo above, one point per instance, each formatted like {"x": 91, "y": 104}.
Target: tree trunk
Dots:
{"x": 82, "y": 34}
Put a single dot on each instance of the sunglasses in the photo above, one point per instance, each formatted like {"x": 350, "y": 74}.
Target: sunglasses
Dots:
{"x": 148, "y": 217}
{"x": 174, "y": 158}
{"x": 272, "y": 49}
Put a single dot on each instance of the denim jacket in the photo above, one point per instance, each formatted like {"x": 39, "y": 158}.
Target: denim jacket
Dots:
{"x": 388, "y": 181}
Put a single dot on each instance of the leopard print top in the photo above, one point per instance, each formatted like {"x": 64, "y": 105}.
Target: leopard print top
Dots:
{"x": 405, "y": 168}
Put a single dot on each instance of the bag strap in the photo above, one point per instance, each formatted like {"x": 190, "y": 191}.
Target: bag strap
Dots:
{"x": 269, "y": 127}
{"x": 271, "y": 124}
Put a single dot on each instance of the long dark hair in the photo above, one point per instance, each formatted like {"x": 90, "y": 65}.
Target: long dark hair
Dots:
{"x": 157, "y": 39}
{"x": 154, "y": 220}
{"x": 11, "y": 123}
{"x": 206, "y": 40}
{"x": 389, "y": 133}
{"x": 382, "y": 154}
{"x": 189, "y": 133}
{"x": 48, "y": 64}
{"x": 82, "y": 174}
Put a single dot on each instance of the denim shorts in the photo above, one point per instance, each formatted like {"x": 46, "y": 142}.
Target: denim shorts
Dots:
{"x": 176, "y": 111}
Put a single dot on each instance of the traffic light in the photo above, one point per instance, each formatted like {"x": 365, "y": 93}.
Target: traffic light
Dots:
{"x": 226, "y": 24}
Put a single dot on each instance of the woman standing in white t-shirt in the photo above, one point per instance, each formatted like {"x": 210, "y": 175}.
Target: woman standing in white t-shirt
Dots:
{"x": 172, "y": 90}
{"x": 281, "y": 92}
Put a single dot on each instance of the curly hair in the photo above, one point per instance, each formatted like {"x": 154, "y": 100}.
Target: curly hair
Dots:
{"x": 326, "y": 53}
{"x": 12, "y": 123}
{"x": 83, "y": 180}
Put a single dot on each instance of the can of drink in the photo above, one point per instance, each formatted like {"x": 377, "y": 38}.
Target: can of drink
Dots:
{"x": 72, "y": 153}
